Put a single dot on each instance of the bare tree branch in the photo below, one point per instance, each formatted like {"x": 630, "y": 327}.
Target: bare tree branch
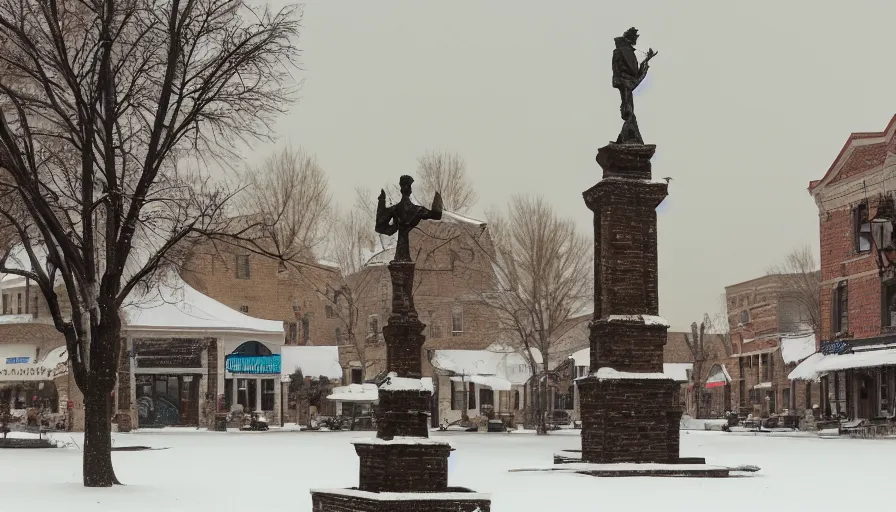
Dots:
{"x": 799, "y": 292}
{"x": 446, "y": 173}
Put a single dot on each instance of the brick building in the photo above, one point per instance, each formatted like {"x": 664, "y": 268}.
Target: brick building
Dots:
{"x": 263, "y": 288}
{"x": 856, "y": 366}
{"x": 770, "y": 334}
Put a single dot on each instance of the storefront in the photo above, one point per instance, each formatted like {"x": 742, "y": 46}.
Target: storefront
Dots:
{"x": 251, "y": 381}
{"x": 29, "y": 383}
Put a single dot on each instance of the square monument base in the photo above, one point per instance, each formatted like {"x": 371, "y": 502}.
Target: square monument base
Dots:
{"x": 630, "y": 420}
{"x": 452, "y": 499}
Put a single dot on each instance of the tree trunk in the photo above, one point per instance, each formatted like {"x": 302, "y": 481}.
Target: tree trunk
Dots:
{"x": 541, "y": 408}
{"x": 98, "y": 471}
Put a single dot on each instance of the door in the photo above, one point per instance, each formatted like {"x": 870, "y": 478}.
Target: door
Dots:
{"x": 189, "y": 399}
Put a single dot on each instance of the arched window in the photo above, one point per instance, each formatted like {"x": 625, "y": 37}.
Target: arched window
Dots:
{"x": 251, "y": 348}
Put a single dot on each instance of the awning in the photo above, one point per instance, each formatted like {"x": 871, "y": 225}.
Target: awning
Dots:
{"x": 819, "y": 364}
{"x": 718, "y": 378}
{"x": 489, "y": 381}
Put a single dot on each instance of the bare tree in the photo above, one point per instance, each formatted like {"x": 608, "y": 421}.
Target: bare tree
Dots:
{"x": 696, "y": 343}
{"x": 800, "y": 283}
{"x": 446, "y": 173}
{"x": 542, "y": 264}
{"x": 291, "y": 187}
{"x": 719, "y": 326}
{"x": 109, "y": 102}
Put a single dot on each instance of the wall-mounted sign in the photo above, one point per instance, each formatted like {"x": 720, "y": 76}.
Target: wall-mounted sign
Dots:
{"x": 835, "y": 347}
{"x": 31, "y": 372}
{"x": 17, "y": 360}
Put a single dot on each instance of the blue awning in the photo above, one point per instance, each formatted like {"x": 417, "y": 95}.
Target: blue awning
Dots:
{"x": 253, "y": 364}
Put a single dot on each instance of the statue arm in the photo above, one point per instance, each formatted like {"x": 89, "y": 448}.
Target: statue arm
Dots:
{"x": 384, "y": 216}
{"x": 436, "y": 212}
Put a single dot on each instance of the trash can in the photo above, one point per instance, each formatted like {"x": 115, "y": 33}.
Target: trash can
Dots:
{"x": 221, "y": 422}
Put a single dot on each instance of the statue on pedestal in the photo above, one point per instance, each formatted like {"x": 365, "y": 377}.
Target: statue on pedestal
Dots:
{"x": 627, "y": 76}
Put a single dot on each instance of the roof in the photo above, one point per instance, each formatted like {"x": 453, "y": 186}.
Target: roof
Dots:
{"x": 313, "y": 361}
{"x": 819, "y": 364}
{"x": 796, "y": 348}
{"x": 176, "y": 305}
{"x": 842, "y": 155}
{"x": 511, "y": 366}
{"x": 675, "y": 371}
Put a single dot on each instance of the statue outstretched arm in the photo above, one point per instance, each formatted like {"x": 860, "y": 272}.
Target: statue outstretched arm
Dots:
{"x": 384, "y": 225}
{"x": 436, "y": 212}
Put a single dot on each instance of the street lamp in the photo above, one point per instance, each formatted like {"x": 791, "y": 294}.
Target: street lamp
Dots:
{"x": 882, "y": 234}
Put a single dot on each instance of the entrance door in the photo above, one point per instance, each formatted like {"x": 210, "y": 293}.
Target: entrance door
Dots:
{"x": 189, "y": 400}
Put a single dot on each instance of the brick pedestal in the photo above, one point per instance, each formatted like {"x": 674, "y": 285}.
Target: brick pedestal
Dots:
{"x": 403, "y": 466}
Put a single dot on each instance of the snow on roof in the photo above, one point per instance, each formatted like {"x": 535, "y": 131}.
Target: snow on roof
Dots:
{"x": 818, "y": 364}
{"x": 795, "y": 349}
{"x": 314, "y": 362}
{"x": 581, "y": 357}
{"x": 395, "y": 383}
{"x": 460, "y": 219}
{"x": 489, "y": 381}
{"x": 355, "y": 393}
{"x": 646, "y": 319}
{"x": 174, "y": 304}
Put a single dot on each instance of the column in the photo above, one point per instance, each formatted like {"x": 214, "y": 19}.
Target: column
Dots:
{"x": 235, "y": 392}
{"x": 258, "y": 394}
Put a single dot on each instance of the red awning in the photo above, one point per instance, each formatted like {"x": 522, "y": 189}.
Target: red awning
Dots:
{"x": 710, "y": 385}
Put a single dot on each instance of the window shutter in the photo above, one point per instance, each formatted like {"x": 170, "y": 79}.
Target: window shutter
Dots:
{"x": 835, "y": 315}
{"x": 844, "y": 315}
{"x": 472, "y": 395}
{"x": 453, "y": 403}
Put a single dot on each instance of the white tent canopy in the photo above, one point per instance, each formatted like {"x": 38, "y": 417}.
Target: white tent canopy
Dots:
{"x": 819, "y": 364}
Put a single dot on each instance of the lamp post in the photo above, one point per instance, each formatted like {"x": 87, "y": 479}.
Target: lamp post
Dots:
{"x": 882, "y": 234}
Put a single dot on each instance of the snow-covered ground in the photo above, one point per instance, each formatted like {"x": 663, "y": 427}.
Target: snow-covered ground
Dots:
{"x": 272, "y": 471}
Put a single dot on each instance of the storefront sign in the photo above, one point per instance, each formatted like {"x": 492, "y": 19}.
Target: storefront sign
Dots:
{"x": 835, "y": 348}
{"x": 30, "y": 372}
{"x": 17, "y": 360}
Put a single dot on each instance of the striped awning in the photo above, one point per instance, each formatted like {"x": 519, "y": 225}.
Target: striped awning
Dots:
{"x": 253, "y": 364}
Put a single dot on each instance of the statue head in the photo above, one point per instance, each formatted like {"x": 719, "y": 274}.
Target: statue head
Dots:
{"x": 404, "y": 183}
{"x": 631, "y": 35}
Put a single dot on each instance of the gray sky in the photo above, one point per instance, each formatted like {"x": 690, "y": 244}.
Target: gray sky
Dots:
{"x": 746, "y": 101}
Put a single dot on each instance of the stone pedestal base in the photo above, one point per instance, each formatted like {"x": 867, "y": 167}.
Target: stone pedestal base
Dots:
{"x": 455, "y": 499}
{"x": 629, "y": 420}
{"x": 403, "y": 465}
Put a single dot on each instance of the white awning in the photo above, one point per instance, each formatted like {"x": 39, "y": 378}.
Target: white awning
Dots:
{"x": 489, "y": 381}
{"x": 359, "y": 393}
{"x": 795, "y": 349}
{"x": 819, "y": 364}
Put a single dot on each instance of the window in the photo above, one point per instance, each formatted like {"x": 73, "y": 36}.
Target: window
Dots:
{"x": 457, "y": 396}
{"x": 338, "y": 336}
{"x": 306, "y": 329}
{"x": 384, "y": 294}
{"x": 745, "y": 316}
{"x": 862, "y": 228}
{"x": 5, "y": 303}
{"x": 35, "y": 312}
{"x": 267, "y": 394}
{"x": 457, "y": 321}
{"x": 242, "y": 266}
{"x": 329, "y": 311}
{"x": 19, "y": 303}
{"x": 471, "y": 395}
{"x": 884, "y": 393}
{"x": 373, "y": 326}
{"x": 435, "y": 330}
{"x": 763, "y": 367}
{"x": 228, "y": 393}
{"x": 785, "y": 398}
{"x": 244, "y": 309}
{"x": 246, "y": 393}
{"x": 292, "y": 336}
{"x": 840, "y": 309}
{"x": 357, "y": 375}
{"x": 770, "y": 398}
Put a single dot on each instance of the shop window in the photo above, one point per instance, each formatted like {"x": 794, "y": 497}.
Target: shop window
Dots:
{"x": 516, "y": 400}
{"x": 242, "y": 266}
{"x": 267, "y": 394}
{"x": 862, "y": 228}
{"x": 840, "y": 309}
{"x": 457, "y": 321}
{"x": 246, "y": 393}
{"x": 357, "y": 375}
{"x": 457, "y": 396}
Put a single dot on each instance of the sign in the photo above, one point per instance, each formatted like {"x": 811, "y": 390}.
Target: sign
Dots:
{"x": 30, "y": 372}
{"x": 17, "y": 360}
{"x": 835, "y": 348}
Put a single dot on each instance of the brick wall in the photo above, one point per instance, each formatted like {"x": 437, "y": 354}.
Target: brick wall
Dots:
{"x": 269, "y": 292}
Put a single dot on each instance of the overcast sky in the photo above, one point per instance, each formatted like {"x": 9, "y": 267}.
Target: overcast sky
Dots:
{"x": 746, "y": 102}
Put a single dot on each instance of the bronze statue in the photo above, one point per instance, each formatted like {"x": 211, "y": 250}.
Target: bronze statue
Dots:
{"x": 627, "y": 75}
{"x": 404, "y": 216}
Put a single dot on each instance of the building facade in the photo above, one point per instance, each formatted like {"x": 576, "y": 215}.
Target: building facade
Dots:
{"x": 769, "y": 335}
{"x": 856, "y": 366}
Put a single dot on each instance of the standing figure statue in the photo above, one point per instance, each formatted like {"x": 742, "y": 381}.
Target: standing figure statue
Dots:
{"x": 402, "y": 217}
{"x": 627, "y": 75}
